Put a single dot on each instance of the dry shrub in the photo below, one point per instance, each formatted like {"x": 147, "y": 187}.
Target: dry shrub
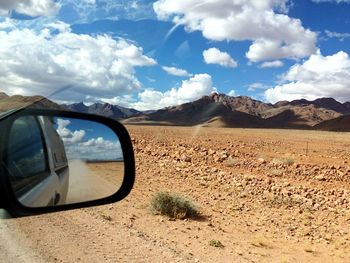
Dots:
{"x": 173, "y": 206}
{"x": 285, "y": 160}
{"x": 230, "y": 162}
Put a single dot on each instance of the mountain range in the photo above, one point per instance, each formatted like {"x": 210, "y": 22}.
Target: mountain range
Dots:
{"x": 216, "y": 110}
{"x": 220, "y": 110}
{"x": 105, "y": 109}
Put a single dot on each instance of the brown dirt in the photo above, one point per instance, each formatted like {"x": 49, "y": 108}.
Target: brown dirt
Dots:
{"x": 266, "y": 195}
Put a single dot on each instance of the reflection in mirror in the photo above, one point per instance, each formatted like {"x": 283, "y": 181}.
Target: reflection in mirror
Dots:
{"x": 56, "y": 161}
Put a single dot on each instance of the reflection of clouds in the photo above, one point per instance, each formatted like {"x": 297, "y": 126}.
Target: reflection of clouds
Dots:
{"x": 100, "y": 143}
{"x": 77, "y": 147}
{"x": 67, "y": 135}
{"x": 107, "y": 150}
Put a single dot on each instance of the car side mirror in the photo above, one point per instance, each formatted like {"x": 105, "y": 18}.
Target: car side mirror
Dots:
{"x": 58, "y": 160}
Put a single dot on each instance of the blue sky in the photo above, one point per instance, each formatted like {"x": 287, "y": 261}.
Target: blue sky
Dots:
{"x": 154, "y": 54}
{"x": 88, "y": 140}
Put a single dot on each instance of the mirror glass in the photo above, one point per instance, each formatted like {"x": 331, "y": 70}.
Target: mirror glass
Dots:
{"x": 56, "y": 161}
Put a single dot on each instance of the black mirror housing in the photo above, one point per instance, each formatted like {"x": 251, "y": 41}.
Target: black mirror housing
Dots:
{"x": 8, "y": 199}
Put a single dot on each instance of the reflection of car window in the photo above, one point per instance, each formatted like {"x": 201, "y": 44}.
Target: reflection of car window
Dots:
{"x": 57, "y": 147}
{"x": 26, "y": 159}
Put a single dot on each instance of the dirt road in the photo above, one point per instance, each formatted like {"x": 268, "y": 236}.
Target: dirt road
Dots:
{"x": 91, "y": 181}
{"x": 266, "y": 195}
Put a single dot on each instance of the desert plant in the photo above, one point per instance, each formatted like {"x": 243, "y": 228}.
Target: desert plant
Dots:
{"x": 288, "y": 161}
{"x": 215, "y": 243}
{"x": 173, "y": 206}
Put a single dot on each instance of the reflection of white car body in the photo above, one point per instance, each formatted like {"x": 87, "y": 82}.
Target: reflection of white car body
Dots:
{"x": 37, "y": 162}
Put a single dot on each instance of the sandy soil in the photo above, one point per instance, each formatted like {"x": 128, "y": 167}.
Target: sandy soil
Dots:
{"x": 266, "y": 195}
{"x": 91, "y": 181}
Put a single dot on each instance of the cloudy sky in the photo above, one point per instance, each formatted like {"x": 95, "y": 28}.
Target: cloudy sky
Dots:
{"x": 153, "y": 54}
{"x": 88, "y": 140}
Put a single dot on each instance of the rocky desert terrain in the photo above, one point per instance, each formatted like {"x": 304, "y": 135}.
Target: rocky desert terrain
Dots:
{"x": 264, "y": 196}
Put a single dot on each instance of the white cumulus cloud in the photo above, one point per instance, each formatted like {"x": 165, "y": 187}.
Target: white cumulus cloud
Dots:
{"x": 258, "y": 86}
{"x": 215, "y": 56}
{"x": 272, "y": 64}
{"x": 42, "y": 62}
{"x": 176, "y": 71}
{"x": 31, "y": 8}
{"x": 7, "y": 24}
{"x": 192, "y": 89}
{"x": 275, "y": 35}
{"x": 338, "y": 35}
{"x": 319, "y": 76}
{"x": 100, "y": 143}
{"x": 66, "y": 134}
{"x": 96, "y": 149}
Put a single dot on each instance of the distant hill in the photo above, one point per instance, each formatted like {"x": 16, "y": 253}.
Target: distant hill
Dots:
{"x": 3, "y": 95}
{"x": 17, "y": 101}
{"x": 105, "y": 109}
{"x": 108, "y": 110}
{"x": 300, "y": 115}
{"x": 325, "y": 103}
{"x": 202, "y": 111}
{"x": 242, "y": 104}
{"x": 341, "y": 124}
{"x": 216, "y": 110}
{"x": 220, "y": 110}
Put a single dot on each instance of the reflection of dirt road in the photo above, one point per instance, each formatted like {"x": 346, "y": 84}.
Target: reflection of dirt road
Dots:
{"x": 88, "y": 183}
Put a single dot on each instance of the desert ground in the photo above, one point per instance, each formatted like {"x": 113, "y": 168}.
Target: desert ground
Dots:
{"x": 91, "y": 181}
{"x": 265, "y": 195}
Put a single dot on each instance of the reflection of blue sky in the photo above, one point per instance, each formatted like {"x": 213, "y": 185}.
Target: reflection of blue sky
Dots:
{"x": 88, "y": 140}
{"x": 92, "y": 129}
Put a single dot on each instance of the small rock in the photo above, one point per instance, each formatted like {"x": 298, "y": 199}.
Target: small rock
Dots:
{"x": 316, "y": 206}
{"x": 320, "y": 177}
{"x": 186, "y": 159}
{"x": 211, "y": 152}
{"x": 262, "y": 160}
{"x": 243, "y": 195}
